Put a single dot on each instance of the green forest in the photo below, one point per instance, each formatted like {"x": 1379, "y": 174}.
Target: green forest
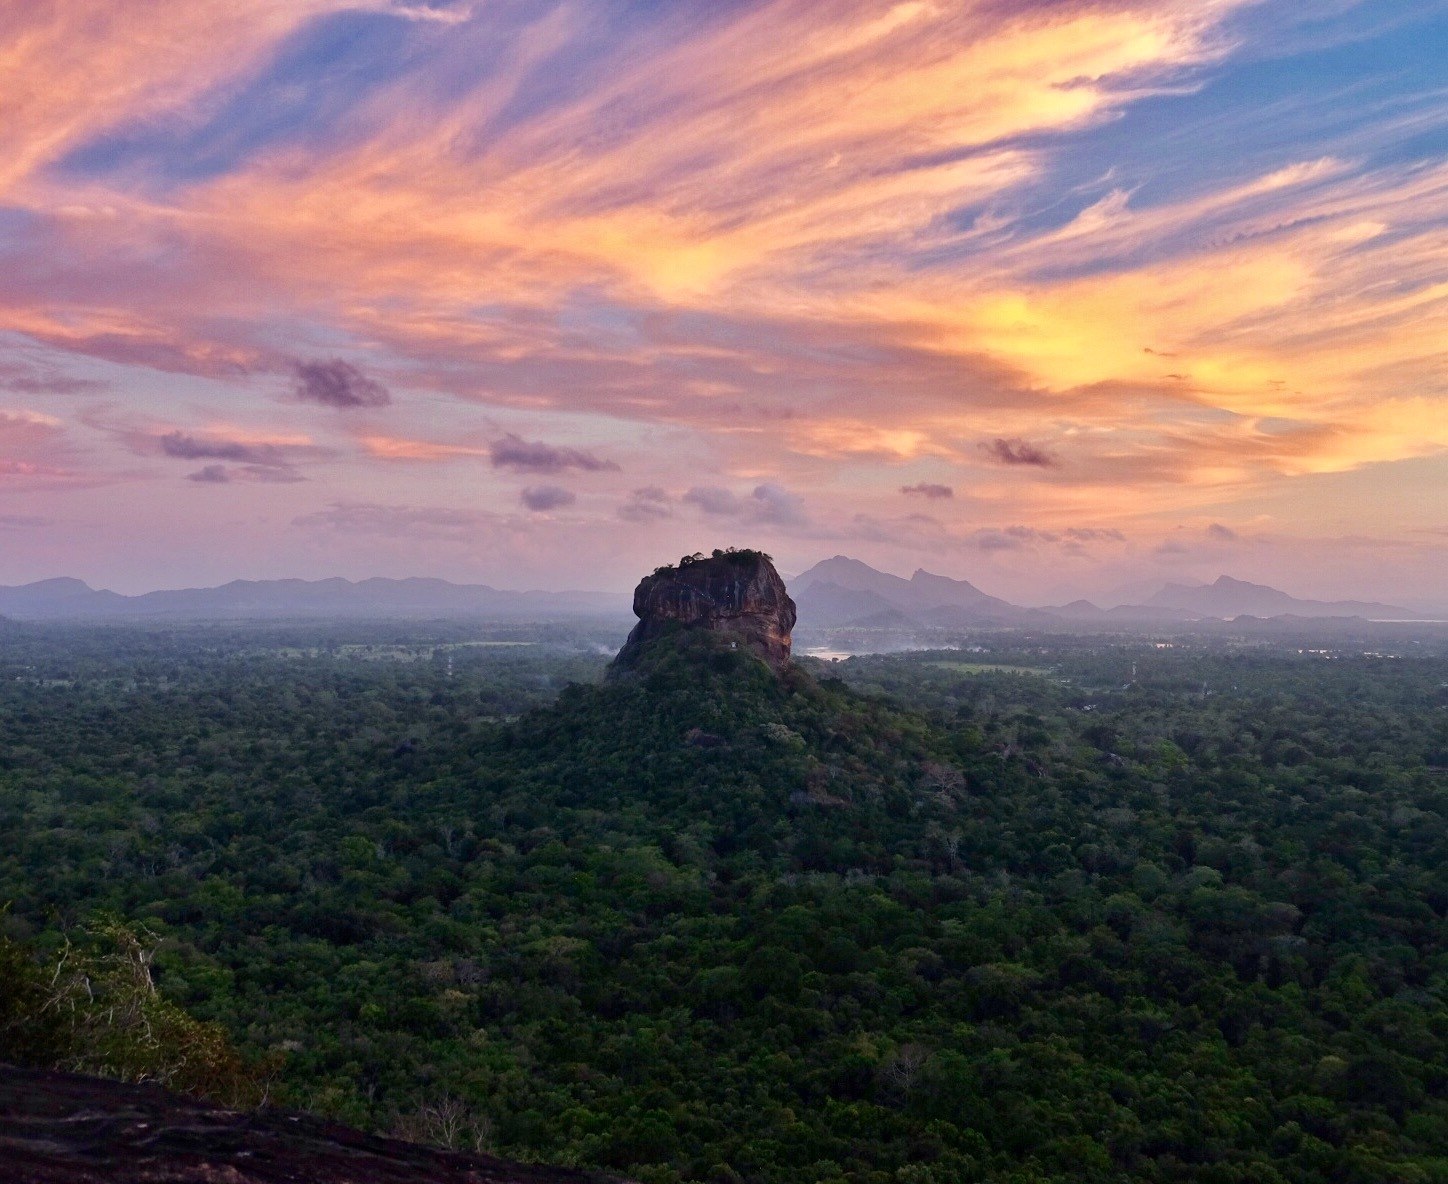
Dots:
{"x": 1038, "y": 909}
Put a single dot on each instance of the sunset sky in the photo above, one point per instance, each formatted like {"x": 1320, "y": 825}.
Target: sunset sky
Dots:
{"x": 1065, "y": 298}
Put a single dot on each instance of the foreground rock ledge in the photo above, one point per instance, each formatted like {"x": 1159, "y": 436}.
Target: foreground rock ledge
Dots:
{"x": 737, "y": 594}
{"x": 59, "y": 1128}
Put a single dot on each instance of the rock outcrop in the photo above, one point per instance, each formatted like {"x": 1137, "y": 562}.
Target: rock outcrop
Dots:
{"x": 60, "y": 1128}
{"x": 737, "y": 594}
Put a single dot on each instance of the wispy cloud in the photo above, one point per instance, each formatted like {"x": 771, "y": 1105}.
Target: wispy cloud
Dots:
{"x": 398, "y": 521}
{"x": 254, "y": 460}
{"x": 645, "y": 506}
{"x": 513, "y": 452}
{"x": 766, "y": 504}
{"x": 27, "y": 378}
{"x": 210, "y": 475}
{"x": 186, "y": 447}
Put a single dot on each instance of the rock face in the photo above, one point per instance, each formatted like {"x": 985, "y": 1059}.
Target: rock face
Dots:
{"x": 735, "y": 593}
{"x": 59, "y": 1128}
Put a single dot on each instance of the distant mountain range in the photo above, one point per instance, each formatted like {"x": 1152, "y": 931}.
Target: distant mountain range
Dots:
{"x": 69, "y": 599}
{"x": 836, "y": 592}
{"x": 843, "y": 591}
{"x": 1233, "y": 598}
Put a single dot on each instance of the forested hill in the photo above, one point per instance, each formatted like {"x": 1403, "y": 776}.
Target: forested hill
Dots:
{"x": 1060, "y": 921}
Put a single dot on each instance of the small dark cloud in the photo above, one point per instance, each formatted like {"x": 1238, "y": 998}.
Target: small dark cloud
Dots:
{"x": 267, "y": 463}
{"x": 22, "y": 522}
{"x": 1016, "y": 451}
{"x": 534, "y": 456}
{"x": 1222, "y": 533}
{"x": 540, "y": 498}
{"x": 184, "y": 447}
{"x": 337, "y": 383}
{"x": 646, "y": 505}
{"x": 930, "y": 492}
{"x": 261, "y": 474}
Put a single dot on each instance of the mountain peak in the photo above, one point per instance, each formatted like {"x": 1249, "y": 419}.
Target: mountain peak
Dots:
{"x": 59, "y": 586}
{"x": 944, "y": 584}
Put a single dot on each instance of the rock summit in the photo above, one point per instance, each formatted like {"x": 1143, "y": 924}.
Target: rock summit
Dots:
{"x": 735, "y": 593}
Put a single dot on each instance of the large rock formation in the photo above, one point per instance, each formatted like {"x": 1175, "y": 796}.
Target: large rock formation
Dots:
{"x": 737, "y": 594}
{"x": 58, "y": 1128}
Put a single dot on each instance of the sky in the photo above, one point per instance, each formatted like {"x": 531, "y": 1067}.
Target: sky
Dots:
{"x": 1062, "y": 297}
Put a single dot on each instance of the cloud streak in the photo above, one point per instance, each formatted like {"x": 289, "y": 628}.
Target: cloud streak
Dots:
{"x": 398, "y": 521}
{"x": 929, "y": 491}
{"x": 186, "y": 447}
{"x": 525, "y": 456}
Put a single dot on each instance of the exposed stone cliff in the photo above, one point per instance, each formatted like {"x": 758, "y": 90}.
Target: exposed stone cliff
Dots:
{"x": 734, "y": 593}
{"x": 58, "y": 1128}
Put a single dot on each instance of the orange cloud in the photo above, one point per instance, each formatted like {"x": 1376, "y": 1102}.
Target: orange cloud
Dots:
{"x": 398, "y": 448}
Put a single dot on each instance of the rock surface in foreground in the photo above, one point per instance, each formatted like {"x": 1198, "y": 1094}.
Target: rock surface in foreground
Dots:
{"x": 60, "y": 1128}
{"x": 734, "y": 593}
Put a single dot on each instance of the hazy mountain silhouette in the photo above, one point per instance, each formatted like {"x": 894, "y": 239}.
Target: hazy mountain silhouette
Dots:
{"x": 843, "y": 591}
{"x": 70, "y": 599}
{"x": 1233, "y": 598}
{"x": 835, "y": 592}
